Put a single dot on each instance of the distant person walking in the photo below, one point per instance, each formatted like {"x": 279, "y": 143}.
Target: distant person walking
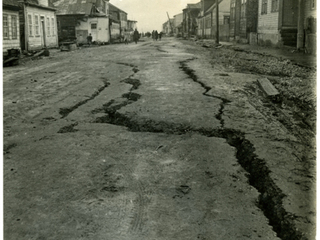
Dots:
{"x": 135, "y": 36}
{"x": 152, "y": 35}
{"x": 156, "y": 35}
{"x": 89, "y": 39}
{"x": 160, "y": 35}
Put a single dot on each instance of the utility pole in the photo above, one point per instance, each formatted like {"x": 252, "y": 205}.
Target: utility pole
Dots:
{"x": 217, "y": 22}
{"x": 170, "y": 23}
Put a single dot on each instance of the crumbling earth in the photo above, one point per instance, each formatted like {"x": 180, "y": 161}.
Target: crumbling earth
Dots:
{"x": 159, "y": 140}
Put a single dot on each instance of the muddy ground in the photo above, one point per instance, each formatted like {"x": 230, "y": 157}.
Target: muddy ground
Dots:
{"x": 158, "y": 140}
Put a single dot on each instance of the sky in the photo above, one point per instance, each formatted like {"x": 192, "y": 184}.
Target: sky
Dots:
{"x": 151, "y": 14}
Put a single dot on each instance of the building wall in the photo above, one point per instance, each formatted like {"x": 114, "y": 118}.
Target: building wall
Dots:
{"x": 310, "y": 23}
{"x": 268, "y": 24}
{"x": 309, "y": 10}
{"x": 9, "y": 42}
{"x": 98, "y": 27}
{"x": 43, "y": 2}
{"x": 35, "y": 39}
{"x": 123, "y": 21}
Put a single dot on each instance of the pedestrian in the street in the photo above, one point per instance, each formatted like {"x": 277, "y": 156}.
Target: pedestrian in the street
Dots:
{"x": 152, "y": 35}
{"x": 156, "y": 35}
{"x": 89, "y": 39}
{"x": 126, "y": 38}
{"x": 135, "y": 36}
{"x": 160, "y": 35}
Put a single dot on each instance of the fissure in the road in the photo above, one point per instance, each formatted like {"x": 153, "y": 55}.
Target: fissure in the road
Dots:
{"x": 270, "y": 199}
{"x": 191, "y": 73}
{"x": 64, "y": 112}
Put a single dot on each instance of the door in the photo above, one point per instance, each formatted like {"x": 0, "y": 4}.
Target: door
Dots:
{"x": 43, "y": 30}
{"x": 94, "y": 31}
{"x": 290, "y": 13}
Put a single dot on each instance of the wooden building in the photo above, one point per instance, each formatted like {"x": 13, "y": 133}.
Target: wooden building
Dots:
{"x": 79, "y": 18}
{"x": 243, "y": 19}
{"x": 10, "y": 26}
{"x": 38, "y": 25}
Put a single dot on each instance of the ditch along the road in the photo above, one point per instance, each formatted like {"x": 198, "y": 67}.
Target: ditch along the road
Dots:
{"x": 233, "y": 120}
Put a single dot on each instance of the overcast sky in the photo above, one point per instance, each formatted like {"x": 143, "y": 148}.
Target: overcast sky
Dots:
{"x": 151, "y": 14}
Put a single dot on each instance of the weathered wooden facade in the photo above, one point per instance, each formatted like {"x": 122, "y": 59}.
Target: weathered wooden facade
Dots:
{"x": 189, "y": 21}
{"x": 307, "y": 26}
{"x": 10, "y": 26}
{"x": 243, "y": 19}
{"x": 38, "y": 25}
{"x": 78, "y": 19}
{"x": 277, "y": 22}
{"x": 207, "y": 19}
{"x": 118, "y": 22}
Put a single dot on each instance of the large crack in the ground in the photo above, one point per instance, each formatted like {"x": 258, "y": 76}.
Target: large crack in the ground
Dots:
{"x": 64, "y": 112}
{"x": 270, "y": 199}
{"x": 191, "y": 73}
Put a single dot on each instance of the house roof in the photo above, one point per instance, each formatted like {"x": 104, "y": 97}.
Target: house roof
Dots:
{"x": 194, "y": 5}
{"x": 115, "y": 9}
{"x": 13, "y": 3}
{"x": 82, "y": 7}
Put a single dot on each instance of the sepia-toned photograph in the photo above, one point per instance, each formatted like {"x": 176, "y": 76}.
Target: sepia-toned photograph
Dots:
{"x": 159, "y": 119}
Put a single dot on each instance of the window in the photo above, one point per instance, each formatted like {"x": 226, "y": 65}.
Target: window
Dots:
{"x": 36, "y": 25}
{"x": 226, "y": 20}
{"x": 232, "y": 11}
{"x": 93, "y": 26}
{"x": 14, "y": 27}
{"x": 5, "y": 26}
{"x": 275, "y": 6}
{"x": 243, "y": 8}
{"x": 30, "y": 25}
{"x": 207, "y": 23}
{"x": 264, "y": 7}
{"x": 48, "y": 26}
{"x": 313, "y": 4}
{"x": 52, "y": 27}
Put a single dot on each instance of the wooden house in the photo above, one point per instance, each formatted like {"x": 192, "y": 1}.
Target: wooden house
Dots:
{"x": 278, "y": 22}
{"x": 79, "y": 18}
{"x": 38, "y": 25}
{"x": 243, "y": 19}
{"x": 177, "y": 24}
{"x": 207, "y": 21}
{"x": 307, "y": 26}
{"x": 10, "y": 28}
{"x": 189, "y": 21}
{"x": 118, "y": 22}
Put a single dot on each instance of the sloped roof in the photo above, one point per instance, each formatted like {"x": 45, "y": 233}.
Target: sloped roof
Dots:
{"x": 114, "y": 8}
{"x": 10, "y": 3}
{"x": 194, "y": 5}
{"x": 74, "y": 6}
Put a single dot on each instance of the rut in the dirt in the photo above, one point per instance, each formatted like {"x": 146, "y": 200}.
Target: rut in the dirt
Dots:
{"x": 270, "y": 200}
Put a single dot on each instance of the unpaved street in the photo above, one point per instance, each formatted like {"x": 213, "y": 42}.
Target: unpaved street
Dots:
{"x": 152, "y": 141}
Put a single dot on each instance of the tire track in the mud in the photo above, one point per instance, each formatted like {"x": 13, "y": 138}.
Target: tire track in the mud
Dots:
{"x": 111, "y": 108}
{"x": 270, "y": 199}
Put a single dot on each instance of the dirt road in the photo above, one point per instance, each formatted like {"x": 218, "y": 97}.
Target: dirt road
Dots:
{"x": 150, "y": 141}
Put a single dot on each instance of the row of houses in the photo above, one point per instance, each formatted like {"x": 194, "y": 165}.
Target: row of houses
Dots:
{"x": 265, "y": 22}
{"x": 37, "y": 24}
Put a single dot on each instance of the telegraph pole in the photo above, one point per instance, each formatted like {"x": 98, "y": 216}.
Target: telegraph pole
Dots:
{"x": 170, "y": 23}
{"x": 217, "y": 22}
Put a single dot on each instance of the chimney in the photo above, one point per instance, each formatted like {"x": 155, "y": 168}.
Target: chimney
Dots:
{"x": 44, "y": 2}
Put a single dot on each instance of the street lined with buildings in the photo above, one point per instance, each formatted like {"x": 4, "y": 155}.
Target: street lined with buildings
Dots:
{"x": 205, "y": 133}
{"x": 154, "y": 140}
